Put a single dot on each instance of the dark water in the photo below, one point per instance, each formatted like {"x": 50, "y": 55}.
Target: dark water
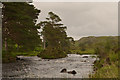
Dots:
{"x": 35, "y": 67}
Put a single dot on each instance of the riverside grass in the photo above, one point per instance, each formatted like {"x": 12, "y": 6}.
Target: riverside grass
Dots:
{"x": 108, "y": 71}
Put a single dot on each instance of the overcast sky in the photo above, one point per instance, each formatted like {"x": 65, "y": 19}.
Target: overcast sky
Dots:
{"x": 83, "y": 19}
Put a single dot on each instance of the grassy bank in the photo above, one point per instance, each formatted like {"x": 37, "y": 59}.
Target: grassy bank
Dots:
{"x": 78, "y": 51}
{"x": 106, "y": 67}
{"x": 108, "y": 71}
{"x": 107, "y": 49}
{"x": 52, "y": 53}
{"x": 11, "y": 56}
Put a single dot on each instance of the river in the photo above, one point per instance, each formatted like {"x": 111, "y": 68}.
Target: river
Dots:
{"x": 35, "y": 67}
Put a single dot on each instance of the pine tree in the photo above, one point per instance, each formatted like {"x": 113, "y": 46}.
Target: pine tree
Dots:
{"x": 19, "y": 19}
{"x": 54, "y": 35}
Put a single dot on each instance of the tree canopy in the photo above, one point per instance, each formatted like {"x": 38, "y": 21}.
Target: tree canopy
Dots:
{"x": 19, "y": 19}
{"x": 54, "y": 35}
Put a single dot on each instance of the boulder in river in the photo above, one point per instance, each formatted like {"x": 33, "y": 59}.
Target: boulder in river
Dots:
{"x": 17, "y": 58}
{"x": 64, "y": 70}
{"x": 72, "y": 72}
{"x": 84, "y": 61}
{"x": 85, "y": 56}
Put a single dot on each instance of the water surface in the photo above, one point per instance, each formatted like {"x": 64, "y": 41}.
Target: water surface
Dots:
{"x": 35, "y": 67}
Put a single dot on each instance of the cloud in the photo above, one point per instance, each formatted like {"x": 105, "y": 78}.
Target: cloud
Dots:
{"x": 84, "y": 19}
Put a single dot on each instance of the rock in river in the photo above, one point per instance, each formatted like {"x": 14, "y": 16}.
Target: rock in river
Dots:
{"x": 72, "y": 72}
{"x": 85, "y": 57}
{"x": 63, "y": 70}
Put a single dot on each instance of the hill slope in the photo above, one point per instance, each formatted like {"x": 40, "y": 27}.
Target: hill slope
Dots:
{"x": 107, "y": 49}
{"x": 92, "y": 42}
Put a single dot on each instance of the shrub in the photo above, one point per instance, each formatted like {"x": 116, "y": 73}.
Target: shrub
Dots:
{"x": 52, "y": 53}
{"x": 113, "y": 56}
{"x": 8, "y": 57}
{"x": 108, "y": 71}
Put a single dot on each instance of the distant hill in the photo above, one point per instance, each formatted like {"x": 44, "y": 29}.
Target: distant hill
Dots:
{"x": 92, "y": 41}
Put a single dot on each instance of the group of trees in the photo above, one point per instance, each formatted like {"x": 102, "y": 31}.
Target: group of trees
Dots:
{"x": 56, "y": 42}
{"x": 18, "y": 26}
{"x": 20, "y": 32}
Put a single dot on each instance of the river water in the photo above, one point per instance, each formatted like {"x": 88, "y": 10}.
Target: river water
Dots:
{"x": 35, "y": 67}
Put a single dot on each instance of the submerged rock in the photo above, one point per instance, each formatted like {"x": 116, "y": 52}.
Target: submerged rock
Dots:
{"x": 63, "y": 70}
{"x": 84, "y": 61}
{"x": 85, "y": 57}
{"x": 17, "y": 58}
{"x": 69, "y": 72}
{"x": 72, "y": 72}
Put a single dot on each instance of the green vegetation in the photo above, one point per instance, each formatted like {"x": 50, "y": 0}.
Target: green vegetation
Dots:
{"x": 107, "y": 49}
{"x": 78, "y": 51}
{"x": 21, "y": 37}
{"x": 108, "y": 71}
{"x": 11, "y": 57}
{"x": 52, "y": 54}
{"x": 92, "y": 42}
{"x": 108, "y": 59}
{"x": 20, "y": 34}
{"x": 56, "y": 42}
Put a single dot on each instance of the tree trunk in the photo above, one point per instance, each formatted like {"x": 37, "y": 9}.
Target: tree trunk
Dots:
{"x": 5, "y": 44}
{"x": 44, "y": 43}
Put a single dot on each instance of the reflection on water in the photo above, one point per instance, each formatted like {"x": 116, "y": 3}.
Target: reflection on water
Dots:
{"x": 35, "y": 67}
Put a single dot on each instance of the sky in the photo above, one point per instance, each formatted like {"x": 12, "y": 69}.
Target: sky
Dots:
{"x": 83, "y": 18}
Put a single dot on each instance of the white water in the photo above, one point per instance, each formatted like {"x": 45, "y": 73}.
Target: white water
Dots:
{"x": 35, "y": 67}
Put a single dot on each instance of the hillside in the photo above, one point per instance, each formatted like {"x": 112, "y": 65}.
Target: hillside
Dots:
{"x": 92, "y": 41}
{"x": 106, "y": 47}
